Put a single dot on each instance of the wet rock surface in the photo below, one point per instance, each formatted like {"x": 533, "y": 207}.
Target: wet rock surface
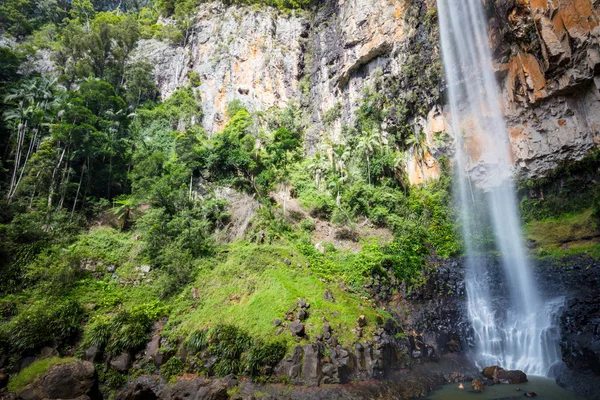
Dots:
{"x": 477, "y": 385}
{"x": 509, "y": 377}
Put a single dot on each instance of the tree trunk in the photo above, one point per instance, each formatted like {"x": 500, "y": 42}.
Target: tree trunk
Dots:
{"x": 78, "y": 189}
{"x": 53, "y": 181}
{"x": 29, "y": 150}
{"x": 20, "y": 141}
{"x": 368, "y": 168}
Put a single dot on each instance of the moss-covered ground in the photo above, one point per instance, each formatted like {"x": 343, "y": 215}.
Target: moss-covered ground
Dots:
{"x": 250, "y": 286}
{"x": 572, "y": 233}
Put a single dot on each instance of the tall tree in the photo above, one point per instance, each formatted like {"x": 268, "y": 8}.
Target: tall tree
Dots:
{"x": 368, "y": 144}
{"x": 285, "y": 143}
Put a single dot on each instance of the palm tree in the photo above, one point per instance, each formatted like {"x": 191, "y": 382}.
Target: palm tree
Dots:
{"x": 33, "y": 99}
{"x": 21, "y": 116}
{"x": 113, "y": 129}
{"x": 123, "y": 209}
{"x": 340, "y": 154}
{"x": 318, "y": 168}
{"x": 337, "y": 183}
{"x": 368, "y": 144}
{"x": 400, "y": 161}
{"x": 418, "y": 143}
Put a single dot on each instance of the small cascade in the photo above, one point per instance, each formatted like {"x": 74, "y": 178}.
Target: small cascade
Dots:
{"x": 517, "y": 333}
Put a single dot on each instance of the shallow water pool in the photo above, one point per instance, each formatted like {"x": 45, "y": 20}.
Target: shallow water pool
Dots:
{"x": 546, "y": 389}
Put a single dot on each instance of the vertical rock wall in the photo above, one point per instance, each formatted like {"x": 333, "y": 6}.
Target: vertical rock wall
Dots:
{"x": 254, "y": 55}
{"x": 547, "y": 56}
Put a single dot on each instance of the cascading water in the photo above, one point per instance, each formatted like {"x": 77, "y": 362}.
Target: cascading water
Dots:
{"x": 517, "y": 333}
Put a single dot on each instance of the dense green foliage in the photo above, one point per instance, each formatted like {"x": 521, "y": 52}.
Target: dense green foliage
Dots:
{"x": 125, "y": 331}
{"x": 97, "y": 147}
{"x": 119, "y": 211}
{"x": 42, "y": 322}
{"x": 182, "y": 8}
{"x": 569, "y": 188}
{"x": 562, "y": 210}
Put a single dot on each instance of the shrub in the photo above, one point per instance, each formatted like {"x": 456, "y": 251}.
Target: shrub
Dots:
{"x": 194, "y": 79}
{"x": 130, "y": 331}
{"x": 261, "y": 355}
{"x": 197, "y": 341}
{"x": 268, "y": 225}
{"x": 111, "y": 378}
{"x": 177, "y": 269}
{"x": 319, "y": 204}
{"x": 98, "y": 333}
{"x": 43, "y": 322}
{"x": 126, "y": 331}
{"x": 308, "y": 225}
{"x": 340, "y": 217}
{"x": 228, "y": 342}
{"x": 172, "y": 368}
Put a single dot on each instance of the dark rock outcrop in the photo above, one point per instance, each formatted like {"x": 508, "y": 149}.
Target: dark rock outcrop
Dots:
{"x": 511, "y": 377}
{"x": 192, "y": 388}
{"x": 122, "y": 362}
{"x": 64, "y": 381}
{"x": 580, "y": 342}
{"x": 489, "y": 372}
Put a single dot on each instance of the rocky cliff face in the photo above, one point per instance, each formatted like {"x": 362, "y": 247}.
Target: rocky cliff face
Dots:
{"x": 547, "y": 55}
{"x": 254, "y": 55}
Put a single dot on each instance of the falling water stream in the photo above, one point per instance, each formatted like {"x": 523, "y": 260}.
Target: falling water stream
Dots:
{"x": 516, "y": 333}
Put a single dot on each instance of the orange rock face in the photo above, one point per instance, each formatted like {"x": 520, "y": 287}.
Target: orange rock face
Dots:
{"x": 562, "y": 27}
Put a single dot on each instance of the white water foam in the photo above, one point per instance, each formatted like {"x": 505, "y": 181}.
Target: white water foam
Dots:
{"x": 518, "y": 333}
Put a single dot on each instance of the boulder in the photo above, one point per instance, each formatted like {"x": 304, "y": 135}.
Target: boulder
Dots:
{"x": 311, "y": 366}
{"x": 48, "y": 352}
{"x": 297, "y": 328}
{"x": 215, "y": 391}
{"x": 93, "y": 354}
{"x": 477, "y": 385}
{"x": 63, "y": 381}
{"x": 301, "y": 315}
{"x": 136, "y": 391}
{"x": 121, "y": 363}
{"x": 182, "y": 389}
{"x": 512, "y": 377}
{"x": 490, "y": 371}
{"x": 152, "y": 348}
{"x": 27, "y": 361}
{"x": 291, "y": 366}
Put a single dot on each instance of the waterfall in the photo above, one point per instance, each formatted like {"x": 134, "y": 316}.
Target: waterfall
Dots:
{"x": 517, "y": 333}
